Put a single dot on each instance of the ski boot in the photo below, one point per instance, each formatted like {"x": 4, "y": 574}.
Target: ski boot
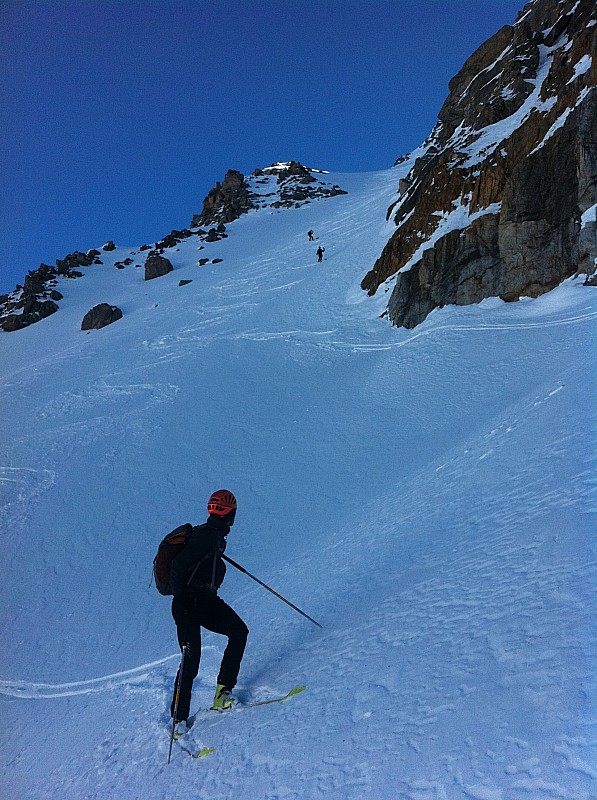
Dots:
{"x": 223, "y": 701}
{"x": 180, "y": 728}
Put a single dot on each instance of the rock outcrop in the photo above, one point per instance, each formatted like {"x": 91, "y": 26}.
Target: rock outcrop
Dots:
{"x": 33, "y": 312}
{"x": 37, "y": 298}
{"x": 32, "y": 302}
{"x": 283, "y": 185}
{"x": 294, "y": 169}
{"x": 225, "y": 202}
{"x": 72, "y": 262}
{"x": 171, "y": 240}
{"x": 502, "y": 200}
{"x": 297, "y": 185}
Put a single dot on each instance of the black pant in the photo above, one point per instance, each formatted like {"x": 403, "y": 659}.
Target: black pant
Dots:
{"x": 191, "y": 612}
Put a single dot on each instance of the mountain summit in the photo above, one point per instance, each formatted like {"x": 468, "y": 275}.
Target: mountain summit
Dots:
{"x": 502, "y": 200}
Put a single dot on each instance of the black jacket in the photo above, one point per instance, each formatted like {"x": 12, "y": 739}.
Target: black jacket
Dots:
{"x": 193, "y": 568}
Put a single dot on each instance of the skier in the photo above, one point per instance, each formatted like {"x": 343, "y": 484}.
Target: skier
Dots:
{"x": 320, "y": 252}
{"x": 310, "y": 235}
{"x": 196, "y": 574}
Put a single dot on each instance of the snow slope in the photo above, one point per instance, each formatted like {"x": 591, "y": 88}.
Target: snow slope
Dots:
{"x": 427, "y": 495}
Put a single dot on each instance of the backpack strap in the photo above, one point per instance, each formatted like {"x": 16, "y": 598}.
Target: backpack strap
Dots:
{"x": 215, "y": 551}
{"x": 196, "y": 567}
{"x": 213, "y": 569}
{"x": 201, "y": 560}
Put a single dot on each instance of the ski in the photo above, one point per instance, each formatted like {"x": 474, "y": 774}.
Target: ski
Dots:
{"x": 240, "y": 706}
{"x": 291, "y": 693}
{"x": 205, "y": 751}
{"x": 205, "y": 716}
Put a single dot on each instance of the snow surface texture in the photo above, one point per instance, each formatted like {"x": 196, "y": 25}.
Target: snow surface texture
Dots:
{"x": 427, "y": 495}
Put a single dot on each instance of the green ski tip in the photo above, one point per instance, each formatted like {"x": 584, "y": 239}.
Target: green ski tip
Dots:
{"x": 291, "y": 693}
{"x": 296, "y": 690}
{"x": 205, "y": 751}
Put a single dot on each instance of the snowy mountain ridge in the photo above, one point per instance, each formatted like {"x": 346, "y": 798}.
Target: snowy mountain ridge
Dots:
{"x": 478, "y": 213}
{"x": 282, "y": 185}
{"x": 427, "y": 496}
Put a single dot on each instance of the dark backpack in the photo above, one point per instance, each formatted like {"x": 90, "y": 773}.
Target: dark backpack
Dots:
{"x": 169, "y": 547}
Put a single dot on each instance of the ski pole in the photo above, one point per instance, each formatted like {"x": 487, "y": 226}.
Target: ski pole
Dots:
{"x": 176, "y": 698}
{"x": 269, "y": 589}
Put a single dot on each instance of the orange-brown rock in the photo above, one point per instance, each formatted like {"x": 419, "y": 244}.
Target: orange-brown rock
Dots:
{"x": 495, "y": 205}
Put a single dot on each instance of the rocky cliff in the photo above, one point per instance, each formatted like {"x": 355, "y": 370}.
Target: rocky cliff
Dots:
{"x": 283, "y": 185}
{"x": 225, "y": 202}
{"x": 502, "y": 200}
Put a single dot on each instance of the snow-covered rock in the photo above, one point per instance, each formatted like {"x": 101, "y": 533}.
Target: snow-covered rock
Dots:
{"x": 514, "y": 152}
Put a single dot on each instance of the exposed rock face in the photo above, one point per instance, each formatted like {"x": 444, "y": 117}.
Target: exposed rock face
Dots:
{"x": 34, "y": 300}
{"x": 171, "y": 240}
{"x": 500, "y": 201}
{"x": 156, "y": 266}
{"x": 283, "y": 185}
{"x": 225, "y": 202}
{"x": 290, "y": 185}
{"x": 72, "y": 261}
{"x": 34, "y": 312}
{"x": 295, "y": 170}
{"x": 100, "y": 316}
{"x": 298, "y": 186}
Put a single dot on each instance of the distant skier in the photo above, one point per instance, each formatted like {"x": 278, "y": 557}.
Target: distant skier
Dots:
{"x": 310, "y": 235}
{"x": 320, "y": 252}
{"x": 196, "y": 574}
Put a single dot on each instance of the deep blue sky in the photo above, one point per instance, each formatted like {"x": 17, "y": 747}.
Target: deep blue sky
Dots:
{"x": 118, "y": 117}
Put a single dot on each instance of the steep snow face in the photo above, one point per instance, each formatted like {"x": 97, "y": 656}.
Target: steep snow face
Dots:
{"x": 427, "y": 497}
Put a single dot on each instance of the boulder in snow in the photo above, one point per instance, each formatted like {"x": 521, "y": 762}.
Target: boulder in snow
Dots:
{"x": 100, "y": 316}
{"x": 156, "y": 266}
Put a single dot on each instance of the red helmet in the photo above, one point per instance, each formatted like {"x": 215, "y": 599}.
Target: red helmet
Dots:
{"x": 221, "y": 503}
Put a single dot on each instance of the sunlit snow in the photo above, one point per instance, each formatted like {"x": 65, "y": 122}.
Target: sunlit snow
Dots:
{"x": 427, "y": 495}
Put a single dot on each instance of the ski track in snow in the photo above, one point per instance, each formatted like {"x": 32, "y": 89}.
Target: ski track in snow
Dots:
{"x": 427, "y": 495}
{"x": 44, "y": 691}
